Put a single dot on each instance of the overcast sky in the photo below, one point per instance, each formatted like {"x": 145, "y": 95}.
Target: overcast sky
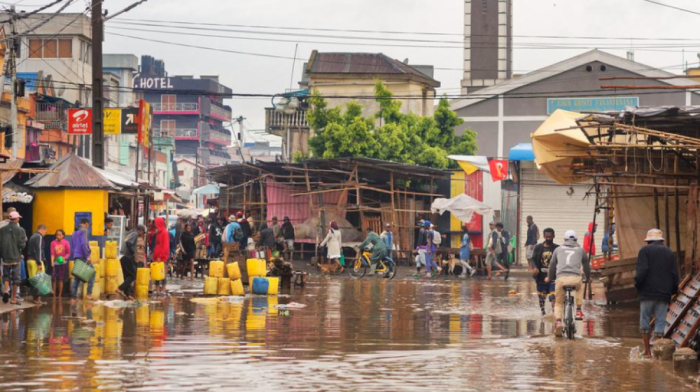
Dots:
{"x": 254, "y": 74}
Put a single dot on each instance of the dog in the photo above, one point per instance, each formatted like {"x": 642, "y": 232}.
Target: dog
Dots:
{"x": 331, "y": 268}
{"x": 452, "y": 262}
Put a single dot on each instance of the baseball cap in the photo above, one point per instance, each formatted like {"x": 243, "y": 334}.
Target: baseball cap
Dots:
{"x": 15, "y": 215}
{"x": 426, "y": 223}
{"x": 570, "y": 234}
{"x": 654, "y": 235}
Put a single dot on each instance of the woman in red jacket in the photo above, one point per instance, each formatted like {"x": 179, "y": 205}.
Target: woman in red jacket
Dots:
{"x": 161, "y": 251}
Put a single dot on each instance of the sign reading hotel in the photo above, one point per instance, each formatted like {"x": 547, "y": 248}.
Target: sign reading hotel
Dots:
{"x": 600, "y": 104}
{"x": 153, "y": 83}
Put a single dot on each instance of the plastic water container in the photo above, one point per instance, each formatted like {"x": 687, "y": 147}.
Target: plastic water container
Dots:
{"x": 233, "y": 270}
{"x": 224, "y": 286}
{"x": 143, "y": 316}
{"x": 216, "y": 269}
{"x": 112, "y": 268}
{"x": 98, "y": 270}
{"x": 142, "y": 291}
{"x": 71, "y": 262}
{"x": 32, "y": 268}
{"x": 111, "y": 250}
{"x": 143, "y": 276}
{"x": 111, "y": 285}
{"x": 256, "y": 267}
{"x": 211, "y": 285}
{"x": 95, "y": 252}
{"x": 237, "y": 288}
{"x": 274, "y": 285}
{"x": 260, "y": 286}
{"x": 157, "y": 271}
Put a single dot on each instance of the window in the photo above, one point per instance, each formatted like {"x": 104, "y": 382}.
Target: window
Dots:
{"x": 168, "y": 101}
{"x": 50, "y": 48}
{"x": 180, "y": 172}
{"x": 167, "y": 127}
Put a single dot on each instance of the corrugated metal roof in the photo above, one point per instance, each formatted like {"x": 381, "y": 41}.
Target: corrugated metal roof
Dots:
{"x": 71, "y": 172}
{"x": 361, "y": 63}
{"x": 8, "y": 175}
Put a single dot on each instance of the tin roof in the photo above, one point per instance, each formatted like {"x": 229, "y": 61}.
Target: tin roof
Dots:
{"x": 371, "y": 64}
{"x": 71, "y": 171}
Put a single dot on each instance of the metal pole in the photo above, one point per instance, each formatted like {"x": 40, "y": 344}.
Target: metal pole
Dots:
{"x": 98, "y": 159}
{"x": 16, "y": 134}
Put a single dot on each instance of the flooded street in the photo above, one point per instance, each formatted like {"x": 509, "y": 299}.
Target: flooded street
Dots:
{"x": 334, "y": 334}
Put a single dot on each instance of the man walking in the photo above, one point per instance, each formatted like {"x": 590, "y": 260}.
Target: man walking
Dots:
{"x": 533, "y": 235}
{"x": 35, "y": 253}
{"x": 81, "y": 251}
{"x": 496, "y": 249}
{"x": 565, "y": 269}
{"x": 656, "y": 281}
{"x": 541, "y": 258}
{"x": 12, "y": 241}
{"x": 388, "y": 238}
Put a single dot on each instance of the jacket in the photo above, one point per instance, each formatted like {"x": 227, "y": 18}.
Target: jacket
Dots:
{"x": 12, "y": 241}
{"x": 657, "y": 273}
{"x": 129, "y": 245}
{"x": 161, "y": 251}
{"x": 388, "y": 239}
{"x": 378, "y": 246}
{"x": 230, "y": 230}
{"x": 533, "y": 234}
{"x": 589, "y": 240}
{"x": 245, "y": 228}
{"x": 35, "y": 247}
{"x": 334, "y": 241}
{"x": 287, "y": 231}
{"x": 215, "y": 233}
{"x": 568, "y": 259}
{"x": 267, "y": 238}
{"x": 189, "y": 247}
{"x": 541, "y": 259}
{"x": 464, "y": 252}
{"x": 79, "y": 245}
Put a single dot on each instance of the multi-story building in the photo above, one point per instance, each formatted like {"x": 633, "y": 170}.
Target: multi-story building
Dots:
{"x": 189, "y": 109}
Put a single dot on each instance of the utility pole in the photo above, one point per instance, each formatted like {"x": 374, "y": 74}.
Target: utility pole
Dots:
{"x": 98, "y": 159}
{"x": 16, "y": 134}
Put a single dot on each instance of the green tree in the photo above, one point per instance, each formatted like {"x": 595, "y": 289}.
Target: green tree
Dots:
{"x": 388, "y": 134}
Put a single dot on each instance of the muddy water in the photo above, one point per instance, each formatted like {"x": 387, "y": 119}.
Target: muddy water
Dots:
{"x": 339, "y": 334}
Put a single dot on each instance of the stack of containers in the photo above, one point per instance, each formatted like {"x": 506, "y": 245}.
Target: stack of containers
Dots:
{"x": 111, "y": 281}
{"x": 234, "y": 274}
{"x": 143, "y": 278}
{"x": 111, "y": 250}
{"x": 97, "y": 287}
{"x": 211, "y": 282}
{"x": 257, "y": 268}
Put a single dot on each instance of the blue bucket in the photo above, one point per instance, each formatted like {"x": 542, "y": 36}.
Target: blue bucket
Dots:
{"x": 260, "y": 286}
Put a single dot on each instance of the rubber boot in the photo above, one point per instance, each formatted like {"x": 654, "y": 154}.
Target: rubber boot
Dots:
{"x": 646, "y": 337}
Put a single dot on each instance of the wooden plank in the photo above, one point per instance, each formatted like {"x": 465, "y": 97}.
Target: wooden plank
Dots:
{"x": 616, "y": 270}
{"x": 620, "y": 262}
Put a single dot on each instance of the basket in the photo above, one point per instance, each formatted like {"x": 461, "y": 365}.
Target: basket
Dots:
{"x": 83, "y": 271}
{"x": 41, "y": 283}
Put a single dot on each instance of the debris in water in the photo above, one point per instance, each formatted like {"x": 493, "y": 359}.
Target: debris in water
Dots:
{"x": 291, "y": 305}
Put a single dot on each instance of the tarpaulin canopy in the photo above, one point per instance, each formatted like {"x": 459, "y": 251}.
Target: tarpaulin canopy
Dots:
{"x": 522, "y": 152}
{"x": 209, "y": 189}
{"x": 462, "y": 207}
{"x": 557, "y": 142}
{"x": 471, "y": 163}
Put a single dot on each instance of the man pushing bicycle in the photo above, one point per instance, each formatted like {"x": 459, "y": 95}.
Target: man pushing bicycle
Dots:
{"x": 565, "y": 269}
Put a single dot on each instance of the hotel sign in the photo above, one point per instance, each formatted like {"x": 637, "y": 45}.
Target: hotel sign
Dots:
{"x": 153, "y": 83}
{"x": 599, "y": 104}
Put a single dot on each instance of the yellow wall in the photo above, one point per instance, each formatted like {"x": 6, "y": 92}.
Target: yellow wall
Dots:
{"x": 456, "y": 189}
{"x": 56, "y": 208}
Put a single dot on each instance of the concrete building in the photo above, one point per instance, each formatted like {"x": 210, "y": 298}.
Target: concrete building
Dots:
{"x": 488, "y": 43}
{"x": 256, "y": 145}
{"x": 57, "y": 54}
{"x": 125, "y": 67}
{"x": 350, "y": 75}
{"x": 189, "y": 109}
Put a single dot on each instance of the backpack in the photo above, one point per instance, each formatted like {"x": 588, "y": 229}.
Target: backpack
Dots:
{"x": 237, "y": 233}
{"x": 437, "y": 238}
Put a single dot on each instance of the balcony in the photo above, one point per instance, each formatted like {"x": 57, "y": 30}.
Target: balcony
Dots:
{"x": 177, "y": 133}
{"x": 218, "y": 137}
{"x": 220, "y": 113}
{"x": 176, "y": 108}
{"x": 276, "y": 120}
{"x": 52, "y": 115}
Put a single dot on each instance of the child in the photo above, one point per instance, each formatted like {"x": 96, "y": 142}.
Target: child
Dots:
{"x": 60, "y": 252}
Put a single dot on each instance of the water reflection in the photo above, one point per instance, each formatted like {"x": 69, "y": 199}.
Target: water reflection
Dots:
{"x": 335, "y": 333}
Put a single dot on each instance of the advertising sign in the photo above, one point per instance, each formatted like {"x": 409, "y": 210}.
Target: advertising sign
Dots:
{"x": 112, "y": 121}
{"x": 80, "y": 121}
{"x": 130, "y": 123}
{"x": 144, "y": 122}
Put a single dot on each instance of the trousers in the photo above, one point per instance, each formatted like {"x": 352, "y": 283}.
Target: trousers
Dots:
{"x": 566, "y": 280}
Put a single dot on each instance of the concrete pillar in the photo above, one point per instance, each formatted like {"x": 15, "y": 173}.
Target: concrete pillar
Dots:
{"x": 663, "y": 349}
{"x": 685, "y": 360}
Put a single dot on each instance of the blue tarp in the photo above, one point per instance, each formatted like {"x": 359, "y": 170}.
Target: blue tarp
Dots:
{"x": 522, "y": 152}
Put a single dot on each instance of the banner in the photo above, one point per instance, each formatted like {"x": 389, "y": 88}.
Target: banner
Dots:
{"x": 144, "y": 122}
{"x": 80, "y": 121}
{"x": 112, "y": 121}
{"x": 499, "y": 169}
{"x": 130, "y": 123}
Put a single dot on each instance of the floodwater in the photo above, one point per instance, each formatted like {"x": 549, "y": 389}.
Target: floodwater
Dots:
{"x": 334, "y": 334}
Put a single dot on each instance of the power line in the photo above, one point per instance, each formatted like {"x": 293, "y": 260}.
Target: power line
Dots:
{"x": 673, "y": 7}
{"x": 127, "y": 9}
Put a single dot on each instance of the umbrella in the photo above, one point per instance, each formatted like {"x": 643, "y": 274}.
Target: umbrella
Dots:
{"x": 209, "y": 189}
{"x": 471, "y": 163}
{"x": 556, "y": 146}
{"x": 462, "y": 207}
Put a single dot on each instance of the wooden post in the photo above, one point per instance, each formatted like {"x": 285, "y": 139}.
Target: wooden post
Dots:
{"x": 676, "y": 200}
{"x": 396, "y": 234}
{"x": 308, "y": 187}
{"x": 656, "y": 207}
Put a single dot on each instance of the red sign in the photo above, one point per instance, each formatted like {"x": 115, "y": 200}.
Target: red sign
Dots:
{"x": 80, "y": 121}
{"x": 499, "y": 169}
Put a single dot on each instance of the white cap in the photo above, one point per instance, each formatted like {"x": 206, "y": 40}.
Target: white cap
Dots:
{"x": 570, "y": 234}
{"x": 652, "y": 235}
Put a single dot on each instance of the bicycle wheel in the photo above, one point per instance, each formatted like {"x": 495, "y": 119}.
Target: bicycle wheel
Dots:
{"x": 569, "y": 323}
{"x": 391, "y": 273}
{"x": 358, "y": 270}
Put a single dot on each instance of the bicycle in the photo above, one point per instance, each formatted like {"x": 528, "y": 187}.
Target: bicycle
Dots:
{"x": 386, "y": 267}
{"x": 569, "y": 312}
